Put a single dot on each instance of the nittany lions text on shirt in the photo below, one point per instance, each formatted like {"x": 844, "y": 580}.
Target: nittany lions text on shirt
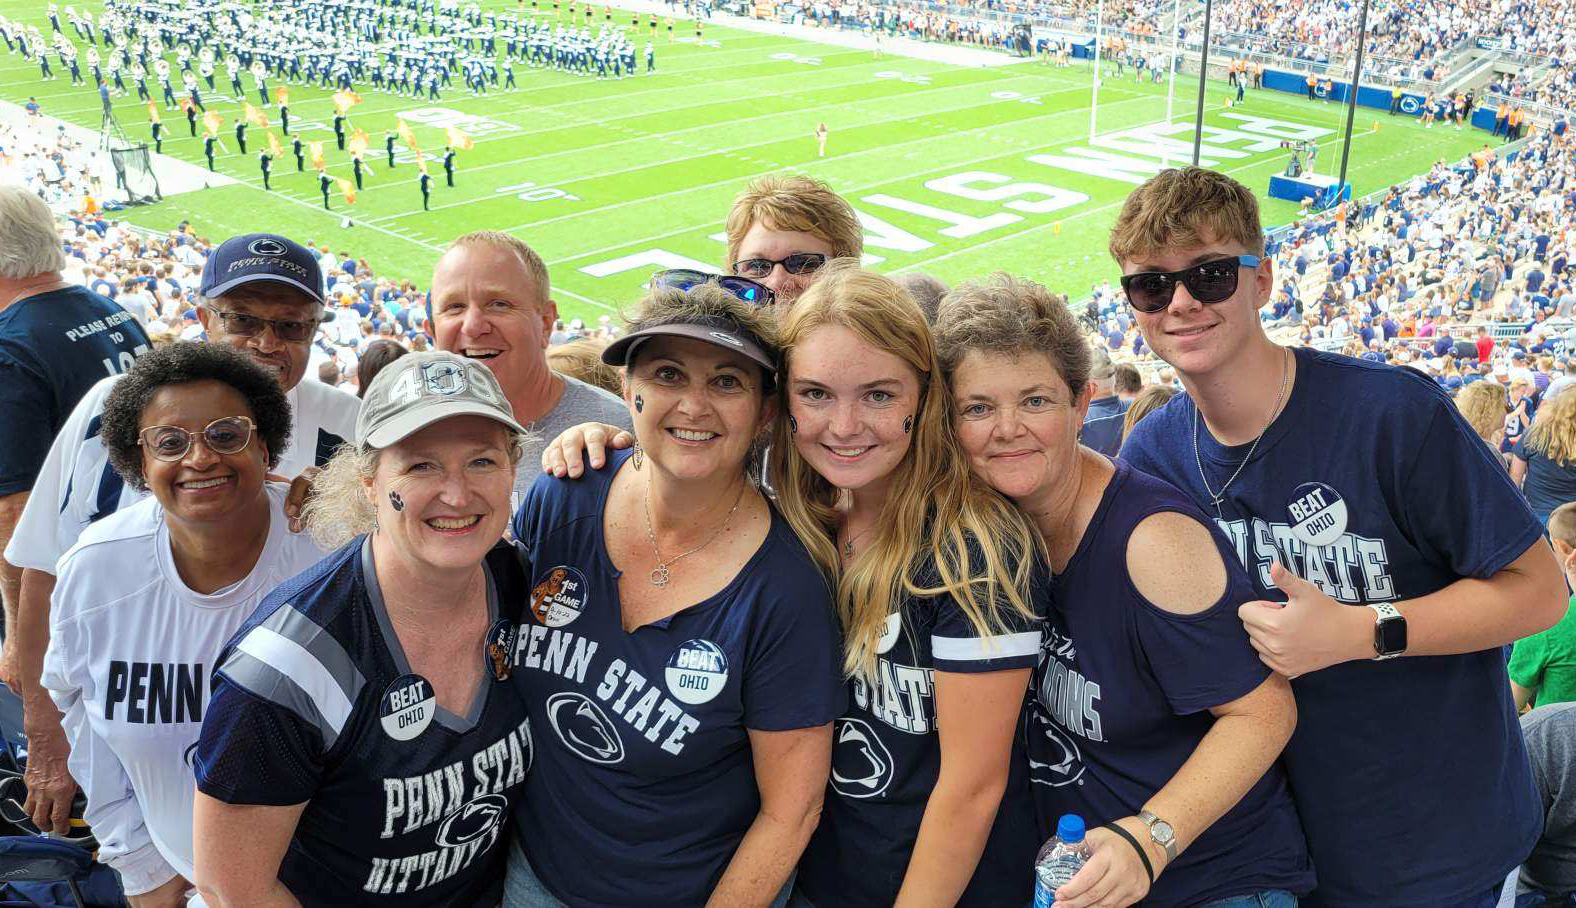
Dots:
{"x": 1371, "y": 485}
{"x": 643, "y": 784}
{"x": 406, "y": 803}
{"x": 131, "y": 653}
{"x": 886, "y": 758}
{"x": 77, "y": 486}
{"x": 1121, "y": 700}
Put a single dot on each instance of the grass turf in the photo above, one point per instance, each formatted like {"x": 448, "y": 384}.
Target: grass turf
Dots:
{"x": 609, "y": 180}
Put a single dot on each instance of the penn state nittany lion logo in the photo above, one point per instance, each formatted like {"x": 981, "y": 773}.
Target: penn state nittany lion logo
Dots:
{"x": 266, "y": 246}
{"x": 473, "y": 820}
{"x": 443, "y": 378}
{"x": 559, "y": 598}
{"x": 584, "y": 728}
{"x": 861, "y": 765}
{"x": 1063, "y": 764}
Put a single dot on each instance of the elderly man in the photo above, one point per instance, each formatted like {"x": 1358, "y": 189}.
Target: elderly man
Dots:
{"x": 263, "y": 295}
{"x": 491, "y": 300}
{"x": 56, "y": 339}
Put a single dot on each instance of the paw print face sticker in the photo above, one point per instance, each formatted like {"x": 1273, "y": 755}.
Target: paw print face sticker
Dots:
{"x": 396, "y": 502}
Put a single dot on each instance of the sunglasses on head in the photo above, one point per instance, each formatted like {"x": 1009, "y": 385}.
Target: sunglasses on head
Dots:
{"x": 226, "y": 435}
{"x": 1207, "y": 282}
{"x": 741, "y": 288}
{"x": 798, "y": 263}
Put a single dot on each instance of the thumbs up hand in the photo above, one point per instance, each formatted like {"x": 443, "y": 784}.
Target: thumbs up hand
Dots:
{"x": 1307, "y": 632}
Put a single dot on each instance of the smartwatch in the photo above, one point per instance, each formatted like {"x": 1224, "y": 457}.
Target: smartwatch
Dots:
{"x": 1161, "y": 834}
{"x": 1389, "y": 631}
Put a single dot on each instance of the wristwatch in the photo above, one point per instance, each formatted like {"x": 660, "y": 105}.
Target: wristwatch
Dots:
{"x": 1389, "y": 630}
{"x": 1160, "y": 833}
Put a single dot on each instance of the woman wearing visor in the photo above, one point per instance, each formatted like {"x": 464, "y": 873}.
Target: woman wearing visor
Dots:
{"x": 361, "y": 747}
{"x": 679, "y": 657}
{"x": 148, "y": 596}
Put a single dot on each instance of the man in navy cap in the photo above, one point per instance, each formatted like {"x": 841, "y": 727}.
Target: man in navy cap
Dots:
{"x": 261, "y": 294}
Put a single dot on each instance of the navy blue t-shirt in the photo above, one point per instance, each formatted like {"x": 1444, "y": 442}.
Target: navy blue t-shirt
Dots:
{"x": 1410, "y": 774}
{"x": 1102, "y": 428}
{"x": 314, "y": 701}
{"x": 1121, "y": 699}
{"x": 644, "y": 783}
{"x": 886, "y": 758}
{"x": 1547, "y": 484}
{"x": 53, "y": 347}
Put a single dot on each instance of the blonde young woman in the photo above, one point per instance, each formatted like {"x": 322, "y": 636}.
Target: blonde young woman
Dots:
{"x": 928, "y": 801}
{"x": 1543, "y": 463}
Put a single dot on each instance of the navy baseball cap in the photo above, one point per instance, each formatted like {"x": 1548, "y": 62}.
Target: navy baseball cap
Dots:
{"x": 241, "y": 260}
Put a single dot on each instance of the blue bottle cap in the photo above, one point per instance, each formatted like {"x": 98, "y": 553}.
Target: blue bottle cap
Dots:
{"x": 1070, "y": 828}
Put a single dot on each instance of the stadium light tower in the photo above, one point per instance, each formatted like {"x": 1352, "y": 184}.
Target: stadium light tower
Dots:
{"x": 1203, "y": 80}
{"x": 1099, "y": 25}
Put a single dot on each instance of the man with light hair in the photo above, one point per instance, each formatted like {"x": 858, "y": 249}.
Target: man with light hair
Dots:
{"x": 1102, "y": 426}
{"x": 491, "y": 300}
{"x": 261, "y": 294}
{"x": 56, "y": 340}
{"x": 782, "y": 229}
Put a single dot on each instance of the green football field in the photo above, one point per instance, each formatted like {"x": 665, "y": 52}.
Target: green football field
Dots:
{"x": 956, "y": 170}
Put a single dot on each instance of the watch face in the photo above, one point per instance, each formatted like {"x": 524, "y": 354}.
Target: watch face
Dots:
{"x": 1161, "y": 832}
{"x": 1390, "y": 636}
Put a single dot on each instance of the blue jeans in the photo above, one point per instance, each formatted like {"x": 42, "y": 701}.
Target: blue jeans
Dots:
{"x": 1270, "y": 898}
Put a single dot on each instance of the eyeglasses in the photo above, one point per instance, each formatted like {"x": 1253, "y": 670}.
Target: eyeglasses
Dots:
{"x": 242, "y": 325}
{"x": 798, "y": 263}
{"x": 741, "y": 288}
{"x": 226, "y": 435}
{"x": 1208, "y": 282}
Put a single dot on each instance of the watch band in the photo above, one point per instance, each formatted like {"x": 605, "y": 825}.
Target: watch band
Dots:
{"x": 1384, "y": 611}
{"x": 1149, "y": 869}
{"x": 1170, "y": 847}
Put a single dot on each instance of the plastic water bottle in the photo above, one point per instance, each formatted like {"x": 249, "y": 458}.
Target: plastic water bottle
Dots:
{"x": 1061, "y": 857}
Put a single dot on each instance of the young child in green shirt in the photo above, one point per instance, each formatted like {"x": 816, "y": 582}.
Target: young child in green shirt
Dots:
{"x": 1543, "y": 666}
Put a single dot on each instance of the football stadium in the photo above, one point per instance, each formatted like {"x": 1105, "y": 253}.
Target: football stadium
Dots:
{"x": 812, "y": 454}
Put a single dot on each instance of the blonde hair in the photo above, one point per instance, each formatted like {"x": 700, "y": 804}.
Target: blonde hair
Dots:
{"x": 1182, "y": 208}
{"x": 1553, "y": 432}
{"x": 581, "y": 359}
{"x": 533, "y": 264}
{"x": 339, "y": 508}
{"x": 799, "y": 203}
{"x": 1148, "y": 401}
{"x": 983, "y": 550}
{"x": 1484, "y": 404}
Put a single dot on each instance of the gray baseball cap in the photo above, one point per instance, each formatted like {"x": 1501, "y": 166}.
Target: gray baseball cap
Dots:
{"x": 419, "y": 389}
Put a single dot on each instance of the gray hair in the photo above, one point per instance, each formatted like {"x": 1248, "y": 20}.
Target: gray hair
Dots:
{"x": 29, "y": 240}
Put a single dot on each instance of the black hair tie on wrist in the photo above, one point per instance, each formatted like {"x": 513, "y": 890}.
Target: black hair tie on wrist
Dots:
{"x": 1149, "y": 869}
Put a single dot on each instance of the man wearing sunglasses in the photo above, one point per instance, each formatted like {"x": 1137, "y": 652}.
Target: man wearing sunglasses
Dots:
{"x": 261, "y": 294}
{"x": 782, "y": 229}
{"x": 1392, "y": 557}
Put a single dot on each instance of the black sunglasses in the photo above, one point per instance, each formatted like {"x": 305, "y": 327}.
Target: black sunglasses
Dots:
{"x": 242, "y": 325}
{"x": 741, "y": 288}
{"x": 1207, "y": 282}
{"x": 798, "y": 263}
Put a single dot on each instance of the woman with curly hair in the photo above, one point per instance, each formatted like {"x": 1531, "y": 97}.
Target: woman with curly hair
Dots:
{"x": 149, "y": 595}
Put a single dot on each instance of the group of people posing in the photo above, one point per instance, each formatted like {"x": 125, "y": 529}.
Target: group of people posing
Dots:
{"x": 830, "y": 608}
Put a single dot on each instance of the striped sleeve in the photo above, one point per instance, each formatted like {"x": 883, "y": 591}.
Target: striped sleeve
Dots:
{"x": 282, "y": 697}
{"x": 956, "y": 645}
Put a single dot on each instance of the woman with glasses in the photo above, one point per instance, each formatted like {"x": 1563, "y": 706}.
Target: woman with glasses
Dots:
{"x": 361, "y": 746}
{"x": 148, "y": 596}
{"x": 679, "y": 656}
{"x": 1151, "y": 715}
{"x": 928, "y": 801}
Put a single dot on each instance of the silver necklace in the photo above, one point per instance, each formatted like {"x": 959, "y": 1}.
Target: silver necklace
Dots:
{"x": 1214, "y": 498}
{"x": 848, "y": 544}
{"x": 660, "y": 573}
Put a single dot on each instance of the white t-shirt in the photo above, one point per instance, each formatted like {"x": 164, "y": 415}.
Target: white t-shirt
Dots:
{"x": 131, "y": 652}
{"x": 76, "y": 485}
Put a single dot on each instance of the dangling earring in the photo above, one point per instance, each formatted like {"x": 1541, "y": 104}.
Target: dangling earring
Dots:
{"x": 908, "y": 423}
{"x": 793, "y": 426}
{"x": 639, "y": 457}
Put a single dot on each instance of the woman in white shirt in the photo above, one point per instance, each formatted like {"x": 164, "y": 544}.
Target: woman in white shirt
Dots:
{"x": 148, "y": 596}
